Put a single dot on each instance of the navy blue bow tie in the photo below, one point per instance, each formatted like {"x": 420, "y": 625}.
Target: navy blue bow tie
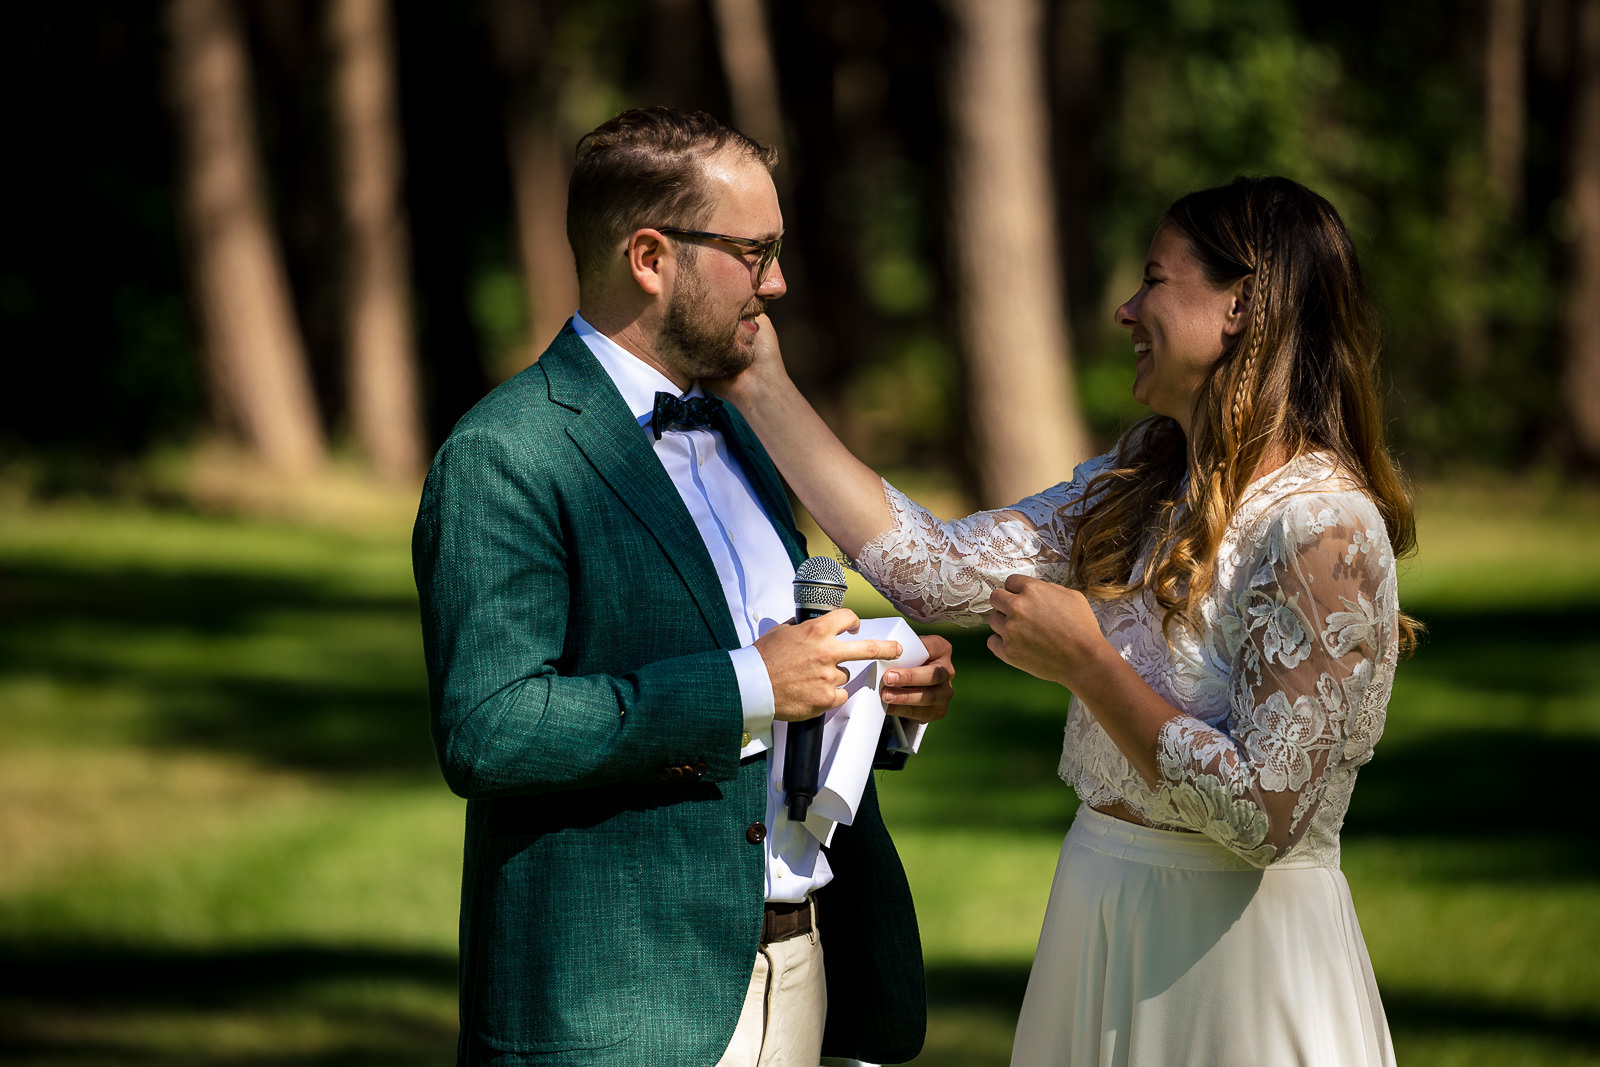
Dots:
{"x": 673, "y": 413}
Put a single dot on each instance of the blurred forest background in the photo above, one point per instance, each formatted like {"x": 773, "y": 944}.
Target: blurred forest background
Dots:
{"x": 257, "y": 256}
{"x": 314, "y": 229}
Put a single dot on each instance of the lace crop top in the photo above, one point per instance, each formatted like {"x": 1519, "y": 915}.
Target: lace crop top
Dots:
{"x": 1282, "y": 691}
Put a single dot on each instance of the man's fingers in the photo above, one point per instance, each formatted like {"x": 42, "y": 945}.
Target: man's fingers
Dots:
{"x": 839, "y": 621}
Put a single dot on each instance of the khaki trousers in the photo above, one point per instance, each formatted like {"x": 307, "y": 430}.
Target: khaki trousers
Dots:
{"x": 784, "y": 1008}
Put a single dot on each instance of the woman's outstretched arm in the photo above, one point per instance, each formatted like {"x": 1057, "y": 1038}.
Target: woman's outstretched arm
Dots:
{"x": 843, "y": 495}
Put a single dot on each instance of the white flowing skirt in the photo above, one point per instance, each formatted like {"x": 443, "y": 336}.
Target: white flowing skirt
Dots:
{"x": 1161, "y": 949}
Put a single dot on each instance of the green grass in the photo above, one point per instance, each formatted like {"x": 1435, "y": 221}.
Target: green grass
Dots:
{"x": 224, "y": 840}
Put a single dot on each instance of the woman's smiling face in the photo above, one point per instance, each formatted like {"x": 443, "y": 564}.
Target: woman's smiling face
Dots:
{"x": 1181, "y": 324}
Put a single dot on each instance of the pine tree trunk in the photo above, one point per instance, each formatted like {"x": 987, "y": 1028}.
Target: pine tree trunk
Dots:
{"x": 752, "y": 75}
{"x": 540, "y": 155}
{"x": 254, "y": 361}
{"x": 1028, "y": 432}
{"x": 744, "y": 41}
{"x": 1505, "y": 103}
{"x": 1074, "y": 78}
{"x": 379, "y": 349}
{"x": 1583, "y": 196}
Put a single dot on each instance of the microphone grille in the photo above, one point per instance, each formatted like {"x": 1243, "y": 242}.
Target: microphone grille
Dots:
{"x": 819, "y": 582}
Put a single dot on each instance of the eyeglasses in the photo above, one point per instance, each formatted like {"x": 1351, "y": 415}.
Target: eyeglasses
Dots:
{"x": 767, "y": 250}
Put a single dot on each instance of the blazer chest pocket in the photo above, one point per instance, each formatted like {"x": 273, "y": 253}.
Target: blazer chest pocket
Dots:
{"x": 555, "y": 956}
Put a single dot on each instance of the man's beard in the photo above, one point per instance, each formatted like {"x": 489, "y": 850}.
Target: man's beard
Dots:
{"x": 698, "y": 344}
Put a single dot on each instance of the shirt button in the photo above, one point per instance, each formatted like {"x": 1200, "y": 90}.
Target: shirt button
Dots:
{"x": 756, "y": 834}
{"x": 744, "y": 740}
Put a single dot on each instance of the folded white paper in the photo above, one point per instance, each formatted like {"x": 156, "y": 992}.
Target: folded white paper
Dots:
{"x": 850, "y": 732}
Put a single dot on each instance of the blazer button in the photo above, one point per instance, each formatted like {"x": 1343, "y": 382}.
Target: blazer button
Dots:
{"x": 756, "y": 834}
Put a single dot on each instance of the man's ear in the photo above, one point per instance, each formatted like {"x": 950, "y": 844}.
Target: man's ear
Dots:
{"x": 1240, "y": 294}
{"x": 650, "y": 260}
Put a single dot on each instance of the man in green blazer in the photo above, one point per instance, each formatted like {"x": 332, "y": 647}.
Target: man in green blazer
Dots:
{"x": 598, "y": 597}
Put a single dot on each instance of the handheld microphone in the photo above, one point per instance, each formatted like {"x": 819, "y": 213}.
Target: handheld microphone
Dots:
{"x": 818, "y": 588}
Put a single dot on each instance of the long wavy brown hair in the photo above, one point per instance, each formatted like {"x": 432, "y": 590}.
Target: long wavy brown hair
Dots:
{"x": 1301, "y": 377}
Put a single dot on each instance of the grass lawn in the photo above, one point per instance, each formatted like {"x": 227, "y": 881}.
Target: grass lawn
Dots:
{"x": 224, "y": 841}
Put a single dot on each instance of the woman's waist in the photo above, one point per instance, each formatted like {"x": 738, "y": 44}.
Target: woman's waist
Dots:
{"x": 1116, "y": 835}
{"x": 1115, "y": 828}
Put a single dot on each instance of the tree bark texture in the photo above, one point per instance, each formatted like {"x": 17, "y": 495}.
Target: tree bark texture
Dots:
{"x": 540, "y": 153}
{"x": 1505, "y": 99}
{"x": 744, "y": 41}
{"x": 1583, "y": 198}
{"x": 254, "y": 360}
{"x": 1074, "y": 76}
{"x": 380, "y": 351}
{"x": 1028, "y": 431}
{"x": 752, "y": 73}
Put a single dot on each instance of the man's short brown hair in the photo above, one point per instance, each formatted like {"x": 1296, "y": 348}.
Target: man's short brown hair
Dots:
{"x": 645, "y": 168}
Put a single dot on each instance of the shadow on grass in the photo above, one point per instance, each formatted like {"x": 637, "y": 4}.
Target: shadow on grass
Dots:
{"x": 196, "y": 602}
{"x": 1519, "y": 653}
{"x": 1479, "y": 782}
{"x": 1499, "y": 766}
{"x": 1417, "y": 1013}
{"x": 291, "y": 670}
{"x": 132, "y": 1006}
{"x": 995, "y": 992}
{"x": 293, "y": 991}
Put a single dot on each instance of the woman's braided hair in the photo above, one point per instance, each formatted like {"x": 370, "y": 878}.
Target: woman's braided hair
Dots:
{"x": 1301, "y": 377}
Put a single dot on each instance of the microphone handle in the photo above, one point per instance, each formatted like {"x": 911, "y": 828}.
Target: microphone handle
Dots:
{"x": 802, "y": 751}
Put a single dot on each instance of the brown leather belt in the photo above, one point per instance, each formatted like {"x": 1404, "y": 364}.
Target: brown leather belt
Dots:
{"x": 785, "y": 919}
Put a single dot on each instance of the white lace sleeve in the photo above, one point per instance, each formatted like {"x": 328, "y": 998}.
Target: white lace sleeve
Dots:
{"x": 1316, "y": 618}
{"x": 936, "y": 570}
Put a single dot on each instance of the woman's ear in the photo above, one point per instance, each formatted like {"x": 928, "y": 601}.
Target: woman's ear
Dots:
{"x": 649, "y": 261}
{"x": 1239, "y": 296}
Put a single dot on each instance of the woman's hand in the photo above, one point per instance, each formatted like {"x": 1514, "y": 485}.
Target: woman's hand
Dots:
{"x": 842, "y": 494}
{"x": 922, "y": 694}
{"x": 1045, "y": 629}
{"x": 1051, "y": 632}
{"x": 764, "y": 372}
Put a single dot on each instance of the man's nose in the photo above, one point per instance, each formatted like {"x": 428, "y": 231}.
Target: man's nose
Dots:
{"x": 773, "y": 285}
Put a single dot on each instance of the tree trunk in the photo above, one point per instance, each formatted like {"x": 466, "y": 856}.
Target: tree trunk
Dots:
{"x": 744, "y": 41}
{"x": 1505, "y": 107}
{"x": 752, "y": 75}
{"x": 379, "y": 350}
{"x": 1074, "y": 79}
{"x": 254, "y": 362}
{"x": 540, "y": 154}
{"x": 1027, "y": 428}
{"x": 1583, "y": 197}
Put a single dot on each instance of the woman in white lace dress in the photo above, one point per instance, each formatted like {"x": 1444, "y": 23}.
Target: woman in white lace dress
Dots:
{"x": 1218, "y": 594}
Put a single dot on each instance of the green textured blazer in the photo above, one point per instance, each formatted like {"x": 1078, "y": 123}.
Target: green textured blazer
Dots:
{"x": 584, "y": 703}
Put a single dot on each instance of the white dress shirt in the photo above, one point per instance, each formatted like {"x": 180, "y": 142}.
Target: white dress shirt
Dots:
{"x": 757, "y": 578}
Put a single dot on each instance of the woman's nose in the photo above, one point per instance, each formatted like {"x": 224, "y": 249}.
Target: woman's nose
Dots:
{"x": 1127, "y": 314}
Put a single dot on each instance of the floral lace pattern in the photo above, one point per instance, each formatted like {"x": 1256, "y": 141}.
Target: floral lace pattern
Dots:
{"x": 1282, "y": 687}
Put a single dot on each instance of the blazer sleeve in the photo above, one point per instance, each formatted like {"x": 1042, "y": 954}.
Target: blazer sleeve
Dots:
{"x": 529, "y": 691}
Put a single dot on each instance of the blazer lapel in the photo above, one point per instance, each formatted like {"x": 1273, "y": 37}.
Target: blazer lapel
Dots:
{"x": 610, "y": 438}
